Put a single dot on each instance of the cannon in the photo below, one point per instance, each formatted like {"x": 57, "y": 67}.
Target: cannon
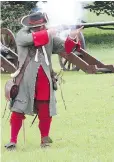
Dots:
{"x": 68, "y": 66}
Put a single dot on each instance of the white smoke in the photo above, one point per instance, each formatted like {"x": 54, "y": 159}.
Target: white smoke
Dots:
{"x": 63, "y": 13}
{"x": 66, "y": 12}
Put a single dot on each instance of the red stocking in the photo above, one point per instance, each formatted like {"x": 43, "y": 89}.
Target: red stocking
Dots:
{"x": 16, "y": 123}
{"x": 44, "y": 118}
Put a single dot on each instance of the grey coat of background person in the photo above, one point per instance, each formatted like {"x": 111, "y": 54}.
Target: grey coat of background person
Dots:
{"x": 24, "y": 102}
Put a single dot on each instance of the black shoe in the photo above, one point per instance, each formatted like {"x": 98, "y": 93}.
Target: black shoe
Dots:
{"x": 10, "y": 146}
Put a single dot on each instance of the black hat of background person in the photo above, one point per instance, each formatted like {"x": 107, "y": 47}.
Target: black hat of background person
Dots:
{"x": 34, "y": 19}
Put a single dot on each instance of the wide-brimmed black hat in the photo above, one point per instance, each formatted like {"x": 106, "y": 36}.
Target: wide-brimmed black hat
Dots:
{"x": 34, "y": 19}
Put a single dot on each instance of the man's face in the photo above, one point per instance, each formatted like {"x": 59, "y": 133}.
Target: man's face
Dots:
{"x": 35, "y": 29}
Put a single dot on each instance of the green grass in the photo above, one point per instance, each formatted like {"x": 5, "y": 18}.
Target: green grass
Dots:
{"x": 85, "y": 131}
{"x": 91, "y": 17}
{"x": 94, "y": 36}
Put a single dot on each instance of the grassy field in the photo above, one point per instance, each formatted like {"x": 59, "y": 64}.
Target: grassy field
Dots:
{"x": 85, "y": 131}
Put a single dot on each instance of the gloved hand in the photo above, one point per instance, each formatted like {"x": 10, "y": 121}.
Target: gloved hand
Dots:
{"x": 70, "y": 45}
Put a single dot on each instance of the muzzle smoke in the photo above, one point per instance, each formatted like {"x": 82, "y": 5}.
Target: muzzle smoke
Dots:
{"x": 63, "y": 14}
{"x": 67, "y": 12}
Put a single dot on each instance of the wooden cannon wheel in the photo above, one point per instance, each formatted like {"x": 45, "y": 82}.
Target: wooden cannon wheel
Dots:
{"x": 65, "y": 64}
{"x": 8, "y": 39}
{"x": 10, "y": 59}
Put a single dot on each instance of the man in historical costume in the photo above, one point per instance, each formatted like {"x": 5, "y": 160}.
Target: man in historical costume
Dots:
{"x": 36, "y": 93}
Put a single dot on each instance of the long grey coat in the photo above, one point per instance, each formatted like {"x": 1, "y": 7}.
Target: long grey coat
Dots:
{"x": 24, "y": 102}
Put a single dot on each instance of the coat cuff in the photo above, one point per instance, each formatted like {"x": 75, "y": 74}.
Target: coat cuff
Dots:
{"x": 70, "y": 45}
{"x": 40, "y": 38}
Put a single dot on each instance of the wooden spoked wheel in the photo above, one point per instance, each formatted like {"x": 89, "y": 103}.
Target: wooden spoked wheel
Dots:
{"x": 8, "y": 39}
{"x": 9, "y": 57}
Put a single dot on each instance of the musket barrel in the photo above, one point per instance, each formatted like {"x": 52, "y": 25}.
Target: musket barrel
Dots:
{"x": 96, "y": 24}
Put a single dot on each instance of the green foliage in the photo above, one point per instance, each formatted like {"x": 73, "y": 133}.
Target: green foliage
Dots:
{"x": 101, "y": 7}
{"x": 13, "y": 11}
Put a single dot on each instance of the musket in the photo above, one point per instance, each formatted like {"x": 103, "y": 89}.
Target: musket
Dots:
{"x": 95, "y": 24}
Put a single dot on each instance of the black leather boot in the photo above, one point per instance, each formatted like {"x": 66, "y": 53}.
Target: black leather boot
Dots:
{"x": 10, "y": 146}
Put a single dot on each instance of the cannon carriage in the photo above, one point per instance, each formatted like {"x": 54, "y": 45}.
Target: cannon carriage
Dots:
{"x": 75, "y": 61}
{"x": 83, "y": 60}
